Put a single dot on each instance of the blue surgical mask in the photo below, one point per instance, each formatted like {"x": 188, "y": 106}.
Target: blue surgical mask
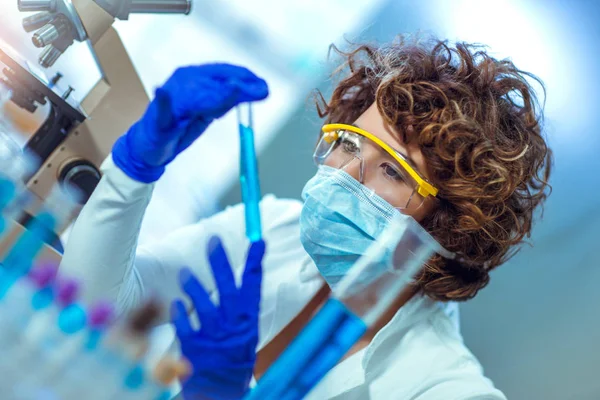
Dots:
{"x": 340, "y": 219}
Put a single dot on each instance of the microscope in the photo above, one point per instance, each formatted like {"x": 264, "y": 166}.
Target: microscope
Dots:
{"x": 74, "y": 139}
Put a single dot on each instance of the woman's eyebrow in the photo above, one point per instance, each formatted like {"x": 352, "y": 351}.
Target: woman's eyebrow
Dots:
{"x": 405, "y": 156}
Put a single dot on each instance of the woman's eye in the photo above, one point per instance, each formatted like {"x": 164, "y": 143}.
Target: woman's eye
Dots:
{"x": 392, "y": 173}
{"x": 349, "y": 146}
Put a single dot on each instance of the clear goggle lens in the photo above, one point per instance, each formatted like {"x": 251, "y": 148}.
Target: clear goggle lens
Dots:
{"x": 371, "y": 165}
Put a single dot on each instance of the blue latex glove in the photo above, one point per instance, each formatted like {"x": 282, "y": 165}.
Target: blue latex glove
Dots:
{"x": 223, "y": 351}
{"x": 181, "y": 110}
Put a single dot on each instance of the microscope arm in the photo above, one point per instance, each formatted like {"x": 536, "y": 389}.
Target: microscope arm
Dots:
{"x": 115, "y": 102}
{"x": 71, "y": 152}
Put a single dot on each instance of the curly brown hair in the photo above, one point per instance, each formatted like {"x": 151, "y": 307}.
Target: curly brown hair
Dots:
{"x": 478, "y": 123}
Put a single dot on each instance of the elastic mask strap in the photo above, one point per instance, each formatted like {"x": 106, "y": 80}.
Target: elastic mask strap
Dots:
{"x": 446, "y": 253}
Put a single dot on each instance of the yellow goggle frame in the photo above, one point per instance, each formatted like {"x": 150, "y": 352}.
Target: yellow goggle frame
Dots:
{"x": 330, "y": 135}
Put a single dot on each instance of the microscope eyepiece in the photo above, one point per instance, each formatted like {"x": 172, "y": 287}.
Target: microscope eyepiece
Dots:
{"x": 36, "y": 21}
{"x": 58, "y": 28}
{"x": 82, "y": 175}
{"x": 37, "y": 5}
{"x": 49, "y": 56}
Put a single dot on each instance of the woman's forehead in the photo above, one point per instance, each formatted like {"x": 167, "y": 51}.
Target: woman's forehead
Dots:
{"x": 372, "y": 122}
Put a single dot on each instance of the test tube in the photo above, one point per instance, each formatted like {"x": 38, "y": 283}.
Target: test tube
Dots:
{"x": 122, "y": 351}
{"x": 16, "y": 305}
{"x": 358, "y": 301}
{"x": 20, "y": 317}
{"x": 249, "y": 174}
{"x": 49, "y": 338}
{"x": 15, "y": 165}
{"x": 72, "y": 380}
{"x": 58, "y": 207}
{"x": 66, "y": 373}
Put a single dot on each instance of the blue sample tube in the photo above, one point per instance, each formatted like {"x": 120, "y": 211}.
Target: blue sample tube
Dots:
{"x": 318, "y": 348}
{"x": 357, "y": 302}
{"x": 19, "y": 259}
{"x": 15, "y": 165}
{"x": 249, "y": 175}
{"x": 13, "y": 194}
{"x": 11, "y": 370}
{"x": 57, "y": 208}
{"x": 72, "y": 379}
{"x": 7, "y": 193}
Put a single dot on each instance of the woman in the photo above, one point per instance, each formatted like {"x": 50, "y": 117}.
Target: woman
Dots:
{"x": 475, "y": 169}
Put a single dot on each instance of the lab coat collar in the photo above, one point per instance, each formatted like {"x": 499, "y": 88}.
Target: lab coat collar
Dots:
{"x": 376, "y": 358}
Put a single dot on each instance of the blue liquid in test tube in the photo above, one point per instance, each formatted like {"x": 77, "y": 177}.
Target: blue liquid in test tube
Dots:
{"x": 249, "y": 176}
{"x": 318, "y": 348}
{"x": 7, "y": 193}
{"x": 20, "y": 257}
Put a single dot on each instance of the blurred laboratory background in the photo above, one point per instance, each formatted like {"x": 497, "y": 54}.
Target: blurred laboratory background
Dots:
{"x": 535, "y": 328}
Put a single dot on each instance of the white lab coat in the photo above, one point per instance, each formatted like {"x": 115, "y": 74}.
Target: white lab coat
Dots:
{"x": 419, "y": 354}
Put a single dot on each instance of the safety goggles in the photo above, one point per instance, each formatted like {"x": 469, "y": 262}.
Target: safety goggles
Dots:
{"x": 374, "y": 164}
